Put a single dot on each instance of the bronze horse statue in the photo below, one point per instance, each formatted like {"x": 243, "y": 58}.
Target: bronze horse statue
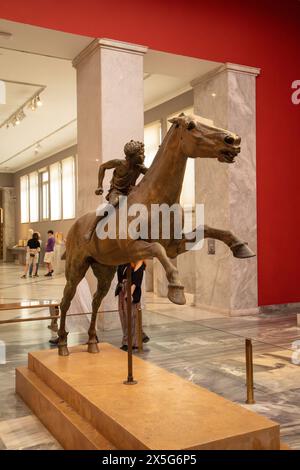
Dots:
{"x": 187, "y": 137}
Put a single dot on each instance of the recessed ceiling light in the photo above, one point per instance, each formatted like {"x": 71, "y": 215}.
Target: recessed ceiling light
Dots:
{"x": 5, "y": 35}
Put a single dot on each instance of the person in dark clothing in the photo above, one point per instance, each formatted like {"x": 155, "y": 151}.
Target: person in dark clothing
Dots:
{"x": 38, "y": 259}
{"x": 137, "y": 273}
{"x": 32, "y": 253}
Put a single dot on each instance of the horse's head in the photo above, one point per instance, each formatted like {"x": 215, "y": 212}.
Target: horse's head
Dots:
{"x": 200, "y": 139}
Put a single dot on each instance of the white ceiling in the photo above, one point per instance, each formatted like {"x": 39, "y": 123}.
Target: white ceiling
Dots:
{"x": 59, "y": 107}
{"x": 170, "y": 75}
{"x": 33, "y": 39}
{"x": 35, "y": 57}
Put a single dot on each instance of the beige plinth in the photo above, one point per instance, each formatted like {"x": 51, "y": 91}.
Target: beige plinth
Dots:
{"x": 82, "y": 400}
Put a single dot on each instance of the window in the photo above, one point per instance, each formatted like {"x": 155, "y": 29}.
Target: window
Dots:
{"x": 152, "y": 140}
{"x": 34, "y": 196}
{"x": 24, "y": 192}
{"x": 49, "y": 193}
{"x": 68, "y": 187}
{"x": 188, "y": 187}
{"x": 44, "y": 184}
{"x": 55, "y": 191}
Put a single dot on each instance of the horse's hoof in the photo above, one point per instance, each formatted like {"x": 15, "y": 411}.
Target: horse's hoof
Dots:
{"x": 176, "y": 294}
{"x": 242, "y": 250}
{"x": 93, "y": 348}
{"x": 63, "y": 351}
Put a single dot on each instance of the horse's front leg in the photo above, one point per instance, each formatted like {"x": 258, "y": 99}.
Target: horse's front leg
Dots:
{"x": 238, "y": 247}
{"x": 144, "y": 250}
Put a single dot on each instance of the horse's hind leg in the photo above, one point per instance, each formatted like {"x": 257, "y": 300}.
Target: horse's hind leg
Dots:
{"x": 75, "y": 272}
{"x": 104, "y": 275}
{"x": 140, "y": 249}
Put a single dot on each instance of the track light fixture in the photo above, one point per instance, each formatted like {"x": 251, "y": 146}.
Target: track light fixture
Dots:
{"x": 38, "y": 101}
{"x": 15, "y": 119}
{"x": 32, "y": 105}
{"x": 37, "y": 148}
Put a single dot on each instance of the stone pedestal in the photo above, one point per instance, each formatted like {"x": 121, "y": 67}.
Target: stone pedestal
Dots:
{"x": 83, "y": 402}
{"x": 110, "y": 112}
{"x": 224, "y": 283}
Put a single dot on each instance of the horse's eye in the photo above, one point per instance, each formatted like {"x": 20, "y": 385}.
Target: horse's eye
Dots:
{"x": 191, "y": 125}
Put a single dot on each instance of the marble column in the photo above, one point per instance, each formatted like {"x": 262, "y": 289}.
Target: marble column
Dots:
{"x": 110, "y": 112}
{"x": 110, "y": 109}
{"x": 8, "y": 214}
{"x": 223, "y": 283}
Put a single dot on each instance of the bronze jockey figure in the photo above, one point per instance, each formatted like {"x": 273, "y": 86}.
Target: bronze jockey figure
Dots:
{"x": 125, "y": 175}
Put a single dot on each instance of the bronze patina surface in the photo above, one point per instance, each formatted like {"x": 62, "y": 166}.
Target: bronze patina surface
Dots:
{"x": 187, "y": 138}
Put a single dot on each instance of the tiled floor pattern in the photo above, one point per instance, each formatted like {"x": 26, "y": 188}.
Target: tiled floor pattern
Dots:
{"x": 202, "y": 347}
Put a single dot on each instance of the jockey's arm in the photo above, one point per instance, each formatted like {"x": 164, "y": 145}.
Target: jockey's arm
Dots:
{"x": 143, "y": 169}
{"x": 105, "y": 166}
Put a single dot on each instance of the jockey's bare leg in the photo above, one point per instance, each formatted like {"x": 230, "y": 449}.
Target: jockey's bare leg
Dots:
{"x": 113, "y": 199}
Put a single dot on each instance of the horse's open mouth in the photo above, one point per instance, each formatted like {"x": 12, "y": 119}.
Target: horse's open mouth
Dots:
{"x": 227, "y": 156}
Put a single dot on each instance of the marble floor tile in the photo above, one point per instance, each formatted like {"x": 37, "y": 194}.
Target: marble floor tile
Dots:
{"x": 205, "y": 348}
{"x": 2, "y": 446}
{"x": 45, "y": 446}
{"x": 21, "y": 433}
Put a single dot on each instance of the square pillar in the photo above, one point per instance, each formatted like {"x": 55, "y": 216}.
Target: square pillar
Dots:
{"x": 7, "y": 219}
{"x": 110, "y": 112}
{"x": 222, "y": 282}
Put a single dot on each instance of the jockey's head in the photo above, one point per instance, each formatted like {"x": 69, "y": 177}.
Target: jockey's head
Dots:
{"x": 134, "y": 151}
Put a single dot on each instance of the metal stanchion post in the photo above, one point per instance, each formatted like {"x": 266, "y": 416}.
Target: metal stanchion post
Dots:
{"x": 140, "y": 330}
{"x": 130, "y": 380}
{"x": 249, "y": 372}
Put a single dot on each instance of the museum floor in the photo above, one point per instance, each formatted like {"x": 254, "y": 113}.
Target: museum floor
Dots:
{"x": 202, "y": 347}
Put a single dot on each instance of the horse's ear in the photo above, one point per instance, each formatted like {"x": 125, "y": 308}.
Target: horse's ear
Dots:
{"x": 174, "y": 120}
{"x": 181, "y": 115}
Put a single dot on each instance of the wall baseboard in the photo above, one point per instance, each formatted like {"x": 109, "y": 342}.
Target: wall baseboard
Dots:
{"x": 263, "y": 309}
{"x": 293, "y": 307}
{"x": 227, "y": 311}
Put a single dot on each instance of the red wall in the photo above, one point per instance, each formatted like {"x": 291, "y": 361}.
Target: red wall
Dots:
{"x": 261, "y": 33}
